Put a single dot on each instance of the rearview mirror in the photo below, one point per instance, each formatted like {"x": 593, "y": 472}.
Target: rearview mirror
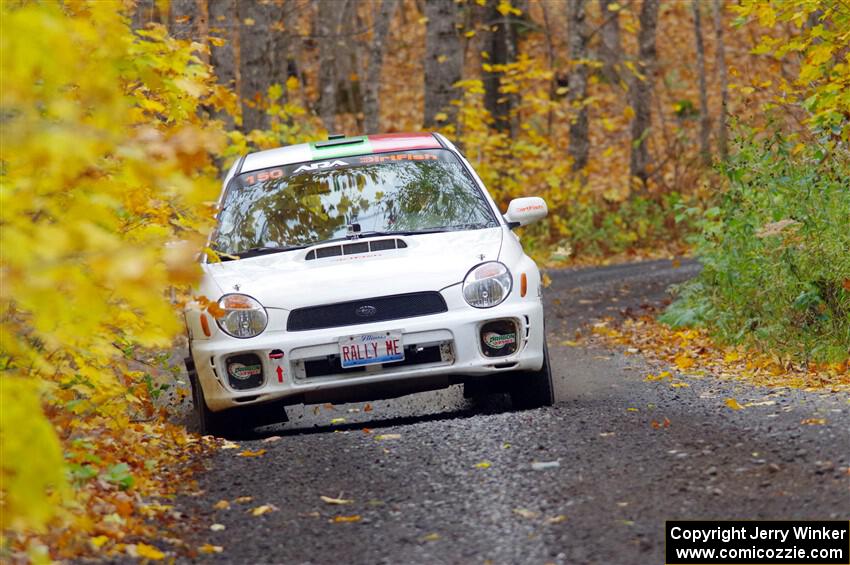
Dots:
{"x": 523, "y": 211}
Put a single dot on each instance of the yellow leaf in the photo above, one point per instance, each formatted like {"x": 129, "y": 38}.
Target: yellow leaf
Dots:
{"x": 441, "y": 117}
{"x": 264, "y": 509}
{"x": 483, "y": 465}
{"x": 292, "y": 83}
{"x": 383, "y": 437}
{"x": 683, "y": 361}
{"x": 679, "y": 385}
{"x": 733, "y": 404}
{"x": 208, "y": 548}
{"x": 813, "y": 421}
{"x": 248, "y": 453}
{"x": 430, "y": 537}
{"x": 338, "y": 421}
{"x": 149, "y": 552}
{"x": 346, "y": 519}
{"x": 221, "y": 505}
{"x": 248, "y": 21}
{"x": 525, "y": 513}
{"x": 329, "y": 500}
{"x": 628, "y": 112}
{"x": 98, "y": 541}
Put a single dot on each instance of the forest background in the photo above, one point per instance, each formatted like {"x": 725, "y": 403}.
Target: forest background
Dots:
{"x": 652, "y": 128}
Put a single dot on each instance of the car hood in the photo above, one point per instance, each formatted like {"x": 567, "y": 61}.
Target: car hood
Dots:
{"x": 288, "y": 280}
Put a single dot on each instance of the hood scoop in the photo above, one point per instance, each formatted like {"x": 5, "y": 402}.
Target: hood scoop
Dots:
{"x": 355, "y": 248}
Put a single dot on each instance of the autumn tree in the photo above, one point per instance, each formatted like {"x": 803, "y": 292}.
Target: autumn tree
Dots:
{"x": 610, "y": 48}
{"x": 577, "y": 37}
{"x": 705, "y": 120}
{"x": 720, "y": 48}
{"x": 262, "y": 58}
{"x": 502, "y": 44}
{"x": 443, "y": 60}
{"x": 641, "y": 92}
{"x": 377, "y": 45}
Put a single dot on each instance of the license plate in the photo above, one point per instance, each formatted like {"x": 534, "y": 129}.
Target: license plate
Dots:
{"x": 370, "y": 349}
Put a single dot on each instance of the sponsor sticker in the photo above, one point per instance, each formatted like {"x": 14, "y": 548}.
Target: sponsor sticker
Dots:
{"x": 243, "y": 372}
{"x": 498, "y": 341}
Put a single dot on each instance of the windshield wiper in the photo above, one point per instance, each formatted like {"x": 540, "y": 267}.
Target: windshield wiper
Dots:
{"x": 262, "y": 250}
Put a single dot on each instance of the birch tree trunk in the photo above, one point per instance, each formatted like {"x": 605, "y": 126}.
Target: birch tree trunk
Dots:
{"x": 610, "y": 48}
{"x": 641, "y": 92}
{"x": 577, "y": 37}
{"x": 371, "y": 90}
{"x": 443, "y": 59}
{"x": 724, "y": 87}
{"x": 705, "y": 119}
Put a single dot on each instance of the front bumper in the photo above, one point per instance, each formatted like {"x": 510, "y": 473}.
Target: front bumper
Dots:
{"x": 448, "y": 344}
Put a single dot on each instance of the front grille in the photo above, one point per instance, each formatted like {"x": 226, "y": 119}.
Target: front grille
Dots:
{"x": 365, "y": 311}
{"x": 413, "y": 355}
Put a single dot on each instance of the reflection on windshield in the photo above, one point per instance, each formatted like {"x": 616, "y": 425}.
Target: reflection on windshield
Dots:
{"x": 402, "y": 192}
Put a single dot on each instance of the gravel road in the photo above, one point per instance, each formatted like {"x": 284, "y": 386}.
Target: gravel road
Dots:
{"x": 590, "y": 480}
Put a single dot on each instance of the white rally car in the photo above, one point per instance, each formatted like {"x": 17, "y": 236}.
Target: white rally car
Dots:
{"x": 361, "y": 268}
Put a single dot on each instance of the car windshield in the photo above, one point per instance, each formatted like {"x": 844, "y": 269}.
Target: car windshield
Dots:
{"x": 306, "y": 203}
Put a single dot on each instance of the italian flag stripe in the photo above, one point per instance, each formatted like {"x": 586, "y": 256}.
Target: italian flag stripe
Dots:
{"x": 359, "y": 147}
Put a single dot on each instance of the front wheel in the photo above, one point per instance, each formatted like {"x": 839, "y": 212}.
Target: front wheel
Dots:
{"x": 534, "y": 389}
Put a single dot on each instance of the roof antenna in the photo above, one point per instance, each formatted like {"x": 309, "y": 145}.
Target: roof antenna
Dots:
{"x": 353, "y": 231}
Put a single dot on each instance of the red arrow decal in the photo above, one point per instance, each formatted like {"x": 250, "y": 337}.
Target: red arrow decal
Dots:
{"x": 279, "y": 375}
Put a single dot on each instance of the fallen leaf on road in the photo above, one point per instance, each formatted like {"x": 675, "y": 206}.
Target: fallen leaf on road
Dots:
{"x": 271, "y": 439}
{"x": 149, "y": 552}
{"x": 346, "y": 519}
{"x": 337, "y": 420}
{"x": 483, "y": 465}
{"x": 656, "y": 425}
{"x": 329, "y": 500}
{"x": 430, "y": 537}
{"x": 683, "y": 361}
{"x": 217, "y": 527}
{"x": 813, "y": 421}
{"x": 249, "y": 453}
{"x": 631, "y": 409}
{"x": 733, "y": 404}
{"x": 526, "y": 513}
{"x": 543, "y": 465}
{"x": 367, "y": 408}
{"x": 209, "y": 548}
{"x": 679, "y": 385}
{"x": 229, "y": 445}
{"x": 606, "y": 434}
{"x": 264, "y": 509}
{"x": 388, "y": 436}
{"x": 243, "y": 499}
{"x": 556, "y": 519}
{"x": 221, "y": 505}
{"x": 367, "y": 431}
{"x": 570, "y": 343}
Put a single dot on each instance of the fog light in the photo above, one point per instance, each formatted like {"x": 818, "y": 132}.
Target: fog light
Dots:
{"x": 499, "y": 338}
{"x": 244, "y": 371}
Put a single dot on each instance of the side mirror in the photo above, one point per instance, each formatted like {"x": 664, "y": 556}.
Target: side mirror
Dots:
{"x": 523, "y": 211}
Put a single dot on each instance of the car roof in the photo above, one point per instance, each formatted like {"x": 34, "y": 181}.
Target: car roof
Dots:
{"x": 336, "y": 147}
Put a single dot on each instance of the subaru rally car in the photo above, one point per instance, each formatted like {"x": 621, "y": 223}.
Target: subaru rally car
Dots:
{"x": 361, "y": 268}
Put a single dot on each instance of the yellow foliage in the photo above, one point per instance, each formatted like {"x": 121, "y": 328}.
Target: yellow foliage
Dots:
{"x": 98, "y": 197}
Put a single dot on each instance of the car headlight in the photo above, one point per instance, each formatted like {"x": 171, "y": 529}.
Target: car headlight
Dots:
{"x": 243, "y": 316}
{"x": 487, "y": 285}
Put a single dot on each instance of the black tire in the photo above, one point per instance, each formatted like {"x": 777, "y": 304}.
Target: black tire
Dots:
{"x": 229, "y": 424}
{"x": 534, "y": 389}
